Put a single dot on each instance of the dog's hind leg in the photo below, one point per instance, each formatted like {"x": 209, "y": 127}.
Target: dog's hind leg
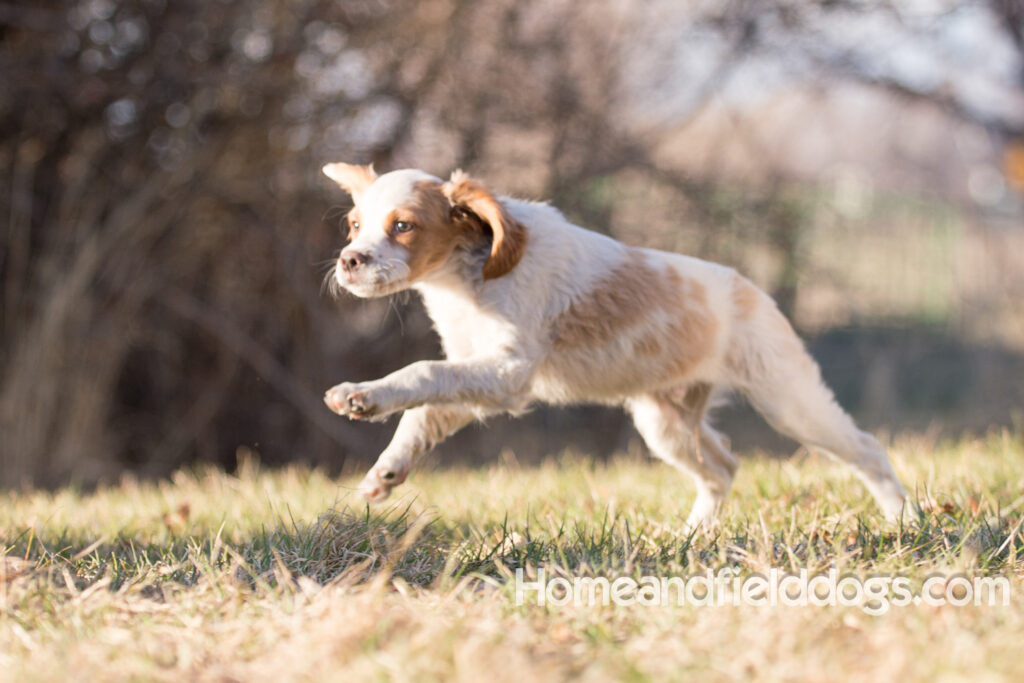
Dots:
{"x": 676, "y": 432}
{"x": 784, "y": 384}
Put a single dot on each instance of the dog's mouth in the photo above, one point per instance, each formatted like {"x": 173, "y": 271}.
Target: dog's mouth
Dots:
{"x": 371, "y": 283}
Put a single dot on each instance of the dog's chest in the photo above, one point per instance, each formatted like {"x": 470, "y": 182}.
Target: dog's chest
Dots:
{"x": 466, "y": 329}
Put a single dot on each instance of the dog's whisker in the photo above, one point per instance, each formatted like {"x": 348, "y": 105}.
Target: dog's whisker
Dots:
{"x": 329, "y": 285}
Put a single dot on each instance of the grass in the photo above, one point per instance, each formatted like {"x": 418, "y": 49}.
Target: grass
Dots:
{"x": 270, "y": 575}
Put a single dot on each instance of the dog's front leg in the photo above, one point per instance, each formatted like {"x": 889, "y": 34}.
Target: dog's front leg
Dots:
{"x": 492, "y": 383}
{"x": 419, "y": 430}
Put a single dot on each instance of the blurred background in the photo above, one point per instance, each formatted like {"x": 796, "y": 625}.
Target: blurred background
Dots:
{"x": 165, "y": 229}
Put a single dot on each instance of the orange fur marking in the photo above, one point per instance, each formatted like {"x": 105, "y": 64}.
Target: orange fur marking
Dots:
{"x": 509, "y": 236}
{"x": 648, "y": 345}
{"x": 626, "y": 298}
{"x": 694, "y": 331}
{"x": 745, "y": 297}
{"x": 434, "y": 235}
{"x": 621, "y": 299}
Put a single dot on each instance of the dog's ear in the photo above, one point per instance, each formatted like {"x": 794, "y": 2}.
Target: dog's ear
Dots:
{"x": 508, "y": 243}
{"x": 350, "y": 177}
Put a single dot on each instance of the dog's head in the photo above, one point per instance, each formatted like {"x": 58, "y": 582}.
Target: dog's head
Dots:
{"x": 407, "y": 226}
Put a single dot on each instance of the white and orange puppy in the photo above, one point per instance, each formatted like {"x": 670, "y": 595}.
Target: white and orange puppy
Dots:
{"x": 532, "y": 308}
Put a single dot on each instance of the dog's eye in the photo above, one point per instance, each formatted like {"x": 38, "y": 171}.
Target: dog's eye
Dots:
{"x": 402, "y": 226}
{"x": 355, "y": 225}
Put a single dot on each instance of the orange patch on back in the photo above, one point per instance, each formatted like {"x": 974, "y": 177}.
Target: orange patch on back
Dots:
{"x": 745, "y": 297}
{"x": 649, "y": 344}
{"x": 673, "y": 311}
{"x": 618, "y": 301}
{"x": 694, "y": 330}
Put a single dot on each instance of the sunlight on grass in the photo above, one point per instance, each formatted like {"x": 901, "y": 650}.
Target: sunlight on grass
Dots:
{"x": 286, "y": 574}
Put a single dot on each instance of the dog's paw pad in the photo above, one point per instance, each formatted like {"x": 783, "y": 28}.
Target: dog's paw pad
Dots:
{"x": 357, "y": 405}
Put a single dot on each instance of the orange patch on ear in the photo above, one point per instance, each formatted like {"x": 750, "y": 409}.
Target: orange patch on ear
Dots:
{"x": 352, "y": 178}
{"x": 509, "y": 236}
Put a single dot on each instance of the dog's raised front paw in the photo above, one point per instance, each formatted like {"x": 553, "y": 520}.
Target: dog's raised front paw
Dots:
{"x": 351, "y": 400}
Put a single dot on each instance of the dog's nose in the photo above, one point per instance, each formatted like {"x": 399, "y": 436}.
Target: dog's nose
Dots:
{"x": 351, "y": 259}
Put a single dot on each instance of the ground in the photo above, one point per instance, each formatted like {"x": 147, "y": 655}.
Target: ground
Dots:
{"x": 286, "y": 575}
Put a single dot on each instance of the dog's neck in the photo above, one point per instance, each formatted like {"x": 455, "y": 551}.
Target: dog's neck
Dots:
{"x": 461, "y": 277}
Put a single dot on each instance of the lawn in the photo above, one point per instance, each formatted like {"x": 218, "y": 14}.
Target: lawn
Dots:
{"x": 287, "y": 575}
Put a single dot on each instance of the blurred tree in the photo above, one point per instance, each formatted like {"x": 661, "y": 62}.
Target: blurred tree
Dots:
{"x": 165, "y": 217}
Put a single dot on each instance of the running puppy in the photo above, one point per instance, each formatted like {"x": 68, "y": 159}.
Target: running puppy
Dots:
{"x": 533, "y": 308}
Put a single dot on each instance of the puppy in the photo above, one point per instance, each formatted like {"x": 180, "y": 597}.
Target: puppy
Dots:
{"x": 531, "y": 308}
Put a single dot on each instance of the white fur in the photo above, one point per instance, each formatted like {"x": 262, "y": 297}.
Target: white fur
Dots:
{"x": 501, "y": 356}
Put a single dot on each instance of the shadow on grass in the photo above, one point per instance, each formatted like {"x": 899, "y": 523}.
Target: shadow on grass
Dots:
{"x": 355, "y": 547}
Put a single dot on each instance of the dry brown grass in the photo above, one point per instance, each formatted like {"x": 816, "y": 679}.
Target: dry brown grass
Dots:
{"x": 285, "y": 576}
